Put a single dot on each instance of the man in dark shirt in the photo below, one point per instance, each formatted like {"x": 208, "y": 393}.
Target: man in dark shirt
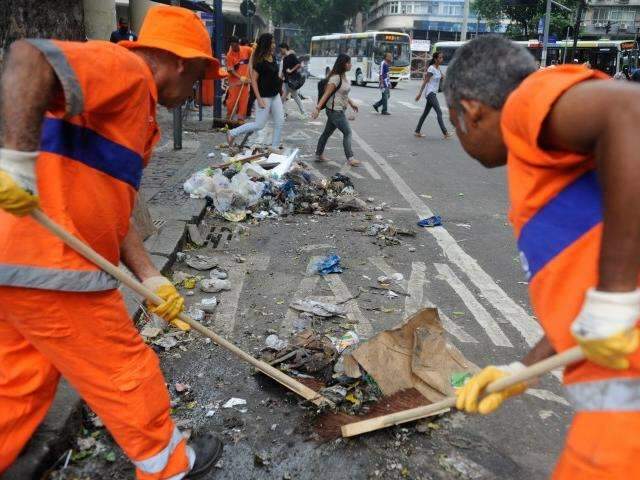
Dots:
{"x": 291, "y": 74}
{"x": 123, "y": 32}
{"x": 385, "y": 84}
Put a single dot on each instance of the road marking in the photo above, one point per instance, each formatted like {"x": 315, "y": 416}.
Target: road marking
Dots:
{"x": 345, "y": 169}
{"x": 410, "y": 105}
{"x": 225, "y": 317}
{"x": 514, "y": 313}
{"x": 401, "y": 209}
{"x": 547, "y": 395}
{"x": 490, "y": 326}
{"x": 372, "y": 171}
{"x": 410, "y": 306}
{"x": 354, "y": 314}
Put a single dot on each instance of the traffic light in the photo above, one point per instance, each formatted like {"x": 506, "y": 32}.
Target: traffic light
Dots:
{"x": 607, "y": 28}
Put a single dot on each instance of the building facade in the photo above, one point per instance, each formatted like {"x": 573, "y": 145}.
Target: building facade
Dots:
{"x": 614, "y": 19}
{"x": 435, "y": 20}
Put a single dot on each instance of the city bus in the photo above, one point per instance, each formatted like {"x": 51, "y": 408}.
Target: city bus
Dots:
{"x": 608, "y": 56}
{"x": 366, "y": 50}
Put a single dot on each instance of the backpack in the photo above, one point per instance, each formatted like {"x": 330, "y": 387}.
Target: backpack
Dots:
{"x": 295, "y": 81}
{"x": 322, "y": 86}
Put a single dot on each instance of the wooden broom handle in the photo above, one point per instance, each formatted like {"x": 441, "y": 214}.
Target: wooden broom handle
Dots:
{"x": 537, "y": 369}
{"x": 89, "y": 253}
{"x": 235, "y": 106}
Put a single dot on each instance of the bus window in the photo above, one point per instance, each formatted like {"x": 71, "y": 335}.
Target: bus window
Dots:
{"x": 351, "y": 49}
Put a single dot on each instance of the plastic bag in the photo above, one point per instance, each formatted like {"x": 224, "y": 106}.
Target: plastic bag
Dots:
{"x": 247, "y": 192}
{"x": 200, "y": 184}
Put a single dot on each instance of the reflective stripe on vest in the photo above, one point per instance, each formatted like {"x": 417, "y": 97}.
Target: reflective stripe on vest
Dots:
{"x": 616, "y": 394}
{"x": 74, "y": 99}
{"x": 563, "y": 220}
{"x": 56, "y": 279}
{"x": 89, "y": 147}
{"x": 159, "y": 461}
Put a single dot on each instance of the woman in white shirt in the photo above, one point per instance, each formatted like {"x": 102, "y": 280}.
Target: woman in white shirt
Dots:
{"x": 432, "y": 82}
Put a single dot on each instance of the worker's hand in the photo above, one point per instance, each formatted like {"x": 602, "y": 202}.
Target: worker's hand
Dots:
{"x": 173, "y": 302}
{"x": 470, "y": 393}
{"x": 606, "y": 328}
{"x": 261, "y": 103}
{"x": 244, "y": 80}
{"x": 18, "y": 190}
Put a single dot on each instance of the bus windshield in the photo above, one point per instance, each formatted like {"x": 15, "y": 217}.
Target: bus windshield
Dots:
{"x": 401, "y": 53}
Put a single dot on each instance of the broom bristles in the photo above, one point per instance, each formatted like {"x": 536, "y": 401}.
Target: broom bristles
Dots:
{"x": 328, "y": 424}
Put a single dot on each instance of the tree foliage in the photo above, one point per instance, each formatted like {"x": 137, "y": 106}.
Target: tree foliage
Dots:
{"x": 524, "y": 18}
{"x": 315, "y": 16}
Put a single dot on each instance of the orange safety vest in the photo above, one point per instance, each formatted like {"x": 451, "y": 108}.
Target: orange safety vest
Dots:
{"x": 556, "y": 212}
{"x": 239, "y": 62}
{"x": 96, "y": 139}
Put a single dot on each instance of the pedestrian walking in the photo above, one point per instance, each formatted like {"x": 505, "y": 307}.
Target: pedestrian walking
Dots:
{"x": 291, "y": 75}
{"x": 122, "y": 32}
{"x": 267, "y": 87}
{"x": 573, "y": 180}
{"x": 336, "y": 100}
{"x": 623, "y": 74}
{"x": 432, "y": 80}
{"x": 384, "y": 84}
{"x": 85, "y": 129}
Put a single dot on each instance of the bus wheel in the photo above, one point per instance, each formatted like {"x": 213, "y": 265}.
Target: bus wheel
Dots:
{"x": 360, "y": 78}
{"x": 394, "y": 84}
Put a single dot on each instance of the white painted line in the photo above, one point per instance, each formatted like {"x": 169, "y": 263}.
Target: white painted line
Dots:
{"x": 372, "y": 171}
{"x": 362, "y": 324}
{"x": 453, "y": 329}
{"x": 547, "y": 395}
{"x": 415, "y": 288}
{"x": 225, "y": 316}
{"x": 514, "y": 313}
{"x": 490, "y": 326}
{"x": 350, "y": 171}
{"x": 401, "y": 209}
{"x": 411, "y": 106}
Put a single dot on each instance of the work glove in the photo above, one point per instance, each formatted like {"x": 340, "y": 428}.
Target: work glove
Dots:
{"x": 606, "y": 328}
{"x": 244, "y": 79}
{"x": 470, "y": 393}
{"x": 18, "y": 190}
{"x": 173, "y": 302}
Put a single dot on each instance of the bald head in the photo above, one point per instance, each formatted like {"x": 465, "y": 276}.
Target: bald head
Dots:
{"x": 487, "y": 69}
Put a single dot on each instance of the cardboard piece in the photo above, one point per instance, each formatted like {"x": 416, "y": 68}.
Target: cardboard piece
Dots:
{"x": 414, "y": 354}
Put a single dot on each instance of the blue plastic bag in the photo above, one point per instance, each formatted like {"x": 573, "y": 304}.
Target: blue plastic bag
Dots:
{"x": 434, "y": 221}
{"x": 329, "y": 264}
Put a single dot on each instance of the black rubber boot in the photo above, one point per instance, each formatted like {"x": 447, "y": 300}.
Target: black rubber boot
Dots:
{"x": 208, "y": 449}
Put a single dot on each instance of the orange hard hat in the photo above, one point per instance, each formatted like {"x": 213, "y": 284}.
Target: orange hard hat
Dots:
{"x": 179, "y": 31}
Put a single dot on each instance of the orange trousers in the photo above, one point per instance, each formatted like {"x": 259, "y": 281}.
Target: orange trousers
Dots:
{"x": 601, "y": 446}
{"x": 243, "y": 101}
{"x": 90, "y": 340}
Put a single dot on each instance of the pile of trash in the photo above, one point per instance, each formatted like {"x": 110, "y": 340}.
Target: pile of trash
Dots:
{"x": 268, "y": 187}
{"x": 355, "y": 374}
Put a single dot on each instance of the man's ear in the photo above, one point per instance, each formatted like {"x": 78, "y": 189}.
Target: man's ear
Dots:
{"x": 473, "y": 110}
{"x": 181, "y": 65}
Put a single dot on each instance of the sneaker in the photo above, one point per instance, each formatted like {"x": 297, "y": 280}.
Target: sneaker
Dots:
{"x": 448, "y": 135}
{"x": 375, "y": 107}
{"x": 419, "y": 135}
{"x": 208, "y": 450}
{"x": 385, "y": 113}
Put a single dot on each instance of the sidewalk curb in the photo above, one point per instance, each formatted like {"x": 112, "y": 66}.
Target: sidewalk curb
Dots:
{"x": 56, "y": 433}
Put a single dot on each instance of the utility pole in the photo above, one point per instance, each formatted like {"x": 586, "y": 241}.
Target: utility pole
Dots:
{"x": 177, "y": 112}
{"x": 465, "y": 20}
{"x": 545, "y": 38}
{"x": 576, "y": 29}
{"x": 219, "y": 33}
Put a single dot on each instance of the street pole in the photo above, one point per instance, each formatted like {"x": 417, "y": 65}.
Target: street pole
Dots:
{"x": 219, "y": 27}
{"x": 465, "y": 20}
{"x": 576, "y": 30}
{"x": 545, "y": 38}
{"x": 177, "y": 113}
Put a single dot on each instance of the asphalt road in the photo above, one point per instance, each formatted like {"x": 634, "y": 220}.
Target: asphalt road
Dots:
{"x": 468, "y": 269}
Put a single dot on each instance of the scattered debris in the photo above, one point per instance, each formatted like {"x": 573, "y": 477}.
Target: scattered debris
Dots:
{"x": 275, "y": 343}
{"x": 219, "y": 273}
{"x": 167, "y": 342}
{"x": 434, "y": 221}
{"x": 328, "y": 264}
{"x": 208, "y": 305}
{"x": 234, "y": 402}
{"x": 201, "y": 262}
{"x": 195, "y": 313}
{"x": 319, "y": 308}
{"x": 195, "y": 236}
{"x": 150, "y": 332}
{"x": 214, "y": 285}
{"x": 347, "y": 340}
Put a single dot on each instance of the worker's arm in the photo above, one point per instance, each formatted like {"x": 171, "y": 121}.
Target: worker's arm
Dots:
{"x": 603, "y": 118}
{"x": 539, "y": 352}
{"x": 136, "y": 258}
{"x": 28, "y": 85}
{"x": 426, "y": 79}
{"x": 27, "y": 88}
{"x": 328, "y": 91}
